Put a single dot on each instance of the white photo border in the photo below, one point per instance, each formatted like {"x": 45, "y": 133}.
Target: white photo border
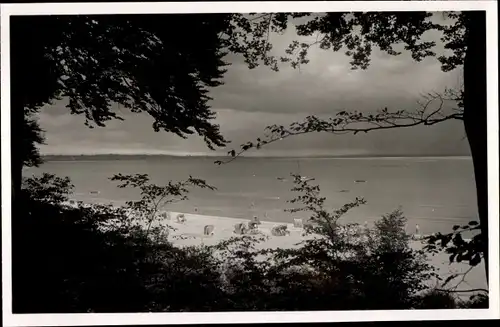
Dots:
{"x": 490, "y": 7}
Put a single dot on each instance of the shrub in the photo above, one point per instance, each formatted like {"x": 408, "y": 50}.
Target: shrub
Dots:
{"x": 436, "y": 299}
{"x": 476, "y": 301}
{"x": 101, "y": 259}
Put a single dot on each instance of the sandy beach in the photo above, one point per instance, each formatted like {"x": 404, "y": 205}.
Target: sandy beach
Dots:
{"x": 224, "y": 229}
{"x": 191, "y": 233}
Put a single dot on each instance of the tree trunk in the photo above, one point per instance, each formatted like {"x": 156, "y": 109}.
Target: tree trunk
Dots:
{"x": 475, "y": 114}
{"x": 18, "y": 77}
{"x": 16, "y": 202}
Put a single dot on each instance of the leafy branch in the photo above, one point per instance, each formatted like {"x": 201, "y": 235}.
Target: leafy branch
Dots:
{"x": 326, "y": 222}
{"x": 460, "y": 250}
{"x": 323, "y": 252}
{"x": 48, "y": 188}
{"x": 454, "y": 244}
{"x": 154, "y": 197}
{"x": 429, "y": 112}
{"x": 357, "y": 33}
{"x": 464, "y": 291}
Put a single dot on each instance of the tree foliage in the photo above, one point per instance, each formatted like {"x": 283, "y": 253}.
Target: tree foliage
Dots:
{"x": 357, "y": 34}
{"x": 48, "y": 188}
{"x": 99, "y": 259}
{"x": 82, "y": 259}
{"x": 140, "y": 62}
{"x": 87, "y": 262}
{"x": 156, "y": 197}
{"x": 32, "y": 138}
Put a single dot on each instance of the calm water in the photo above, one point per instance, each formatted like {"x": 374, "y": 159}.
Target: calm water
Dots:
{"x": 434, "y": 193}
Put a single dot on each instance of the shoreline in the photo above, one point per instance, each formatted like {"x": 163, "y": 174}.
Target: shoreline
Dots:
{"x": 191, "y": 233}
{"x": 416, "y": 237}
{"x": 128, "y": 156}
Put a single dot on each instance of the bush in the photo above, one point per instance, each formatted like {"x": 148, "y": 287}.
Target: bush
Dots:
{"x": 476, "y": 301}
{"x": 439, "y": 299}
{"x": 339, "y": 269}
{"x": 435, "y": 299}
{"x": 392, "y": 268}
{"x": 95, "y": 260}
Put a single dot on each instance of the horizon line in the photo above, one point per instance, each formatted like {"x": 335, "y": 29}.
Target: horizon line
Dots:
{"x": 253, "y": 156}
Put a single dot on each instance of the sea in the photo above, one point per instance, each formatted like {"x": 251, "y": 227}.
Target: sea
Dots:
{"x": 434, "y": 193}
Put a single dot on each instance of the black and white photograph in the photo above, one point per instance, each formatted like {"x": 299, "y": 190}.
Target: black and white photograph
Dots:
{"x": 237, "y": 162}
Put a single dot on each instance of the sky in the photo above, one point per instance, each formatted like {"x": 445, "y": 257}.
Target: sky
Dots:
{"x": 252, "y": 99}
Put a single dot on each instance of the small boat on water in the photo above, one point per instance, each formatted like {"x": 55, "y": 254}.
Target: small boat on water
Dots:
{"x": 360, "y": 181}
{"x": 94, "y": 192}
{"x": 303, "y": 178}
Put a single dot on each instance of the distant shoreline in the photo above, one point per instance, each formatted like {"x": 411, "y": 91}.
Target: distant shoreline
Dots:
{"x": 105, "y": 157}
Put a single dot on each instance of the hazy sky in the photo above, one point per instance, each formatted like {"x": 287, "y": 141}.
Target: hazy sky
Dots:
{"x": 253, "y": 99}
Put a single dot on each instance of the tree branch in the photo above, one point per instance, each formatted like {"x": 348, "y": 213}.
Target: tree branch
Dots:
{"x": 347, "y": 122}
{"x": 463, "y": 291}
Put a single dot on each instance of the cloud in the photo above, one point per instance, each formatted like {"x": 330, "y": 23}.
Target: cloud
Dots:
{"x": 327, "y": 83}
{"x": 252, "y": 99}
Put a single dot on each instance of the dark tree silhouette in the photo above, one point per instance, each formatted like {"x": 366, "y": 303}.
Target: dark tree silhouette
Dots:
{"x": 163, "y": 65}
{"x": 97, "y": 258}
{"x": 141, "y": 62}
{"x": 464, "y": 35}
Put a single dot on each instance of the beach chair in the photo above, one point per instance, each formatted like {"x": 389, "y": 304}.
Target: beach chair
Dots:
{"x": 256, "y": 220}
{"x": 309, "y": 226}
{"x": 297, "y": 223}
{"x": 280, "y": 230}
{"x": 240, "y": 228}
{"x": 181, "y": 218}
{"x": 252, "y": 225}
{"x": 208, "y": 230}
{"x": 165, "y": 215}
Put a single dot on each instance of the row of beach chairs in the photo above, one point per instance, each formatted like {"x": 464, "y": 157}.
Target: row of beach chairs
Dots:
{"x": 246, "y": 228}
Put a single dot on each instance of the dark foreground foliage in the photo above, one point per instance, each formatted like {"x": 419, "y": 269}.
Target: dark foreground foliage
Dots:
{"x": 98, "y": 259}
